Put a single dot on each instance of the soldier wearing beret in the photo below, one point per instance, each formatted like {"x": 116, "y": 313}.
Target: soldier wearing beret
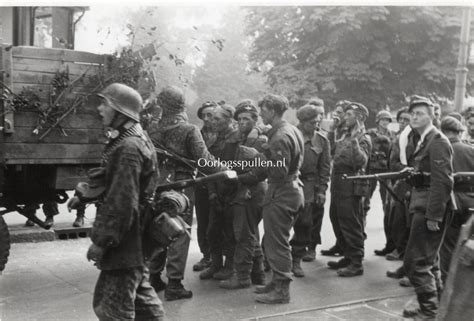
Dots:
{"x": 337, "y": 130}
{"x": 381, "y": 138}
{"x": 284, "y": 199}
{"x": 352, "y": 153}
{"x": 463, "y": 161}
{"x": 201, "y": 193}
{"x": 315, "y": 172}
{"x": 428, "y": 152}
{"x": 219, "y": 232}
{"x": 174, "y": 134}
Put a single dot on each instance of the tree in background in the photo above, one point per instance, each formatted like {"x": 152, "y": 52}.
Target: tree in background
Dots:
{"x": 225, "y": 73}
{"x": 376, "y": 55}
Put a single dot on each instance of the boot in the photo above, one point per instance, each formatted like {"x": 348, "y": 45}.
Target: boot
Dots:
{"x": 265, "y": 288}
{"x": 216, "y": 265}
{"x": 342, "y": 263}
{"x": 49, "y": 221}
{"x": 204, "y": 263}
{"x": 353, "y": 269}
{"x": 397, "y": 274}
{"x": 280, "y": 293}
{"x": 258, "y": 275}
{"x": 79, "y": 222}
{"x": 394, "y": 255}
{"x": 175, "y": 291}
{"x": 296, "y": 269}
{"x": 383, "y": 251}
{"x": 235, "y": 283}
{"x": 405, "y": 282}
{"x": 157, "y": 283}
{"x": 428, "y": 307}
{"x": 29, "y": 223}
{"x": 227, "y": 271}
{"x": 310, "y": 255}
{"x": 333, "y": 251}
{"x": 266, "y": 265}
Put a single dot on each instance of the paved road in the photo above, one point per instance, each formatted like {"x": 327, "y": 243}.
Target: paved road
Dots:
{"x": 53, "y": 281}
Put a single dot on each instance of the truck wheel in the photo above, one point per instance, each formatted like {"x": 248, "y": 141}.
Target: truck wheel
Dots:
{"x": 4, "y": 243}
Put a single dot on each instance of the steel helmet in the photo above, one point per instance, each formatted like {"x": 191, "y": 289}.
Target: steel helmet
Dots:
{"x": 123, "y": 99}
{"x": 383, "y": 114}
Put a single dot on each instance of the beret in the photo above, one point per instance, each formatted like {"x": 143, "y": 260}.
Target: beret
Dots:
{"x": 226, "y": 109}
{"x": 358, "y": 108}
{"x": 316, "y": 101}
{"x": 419, "y": 100}
{"x": 308, "y": 112}
{"x": 342, "y": 103}
{"x": 204, "y": 106}
{"x": 383, "y": 114}
{"x": 451, "y": 124}
{"x": 245, "y": 106}
{"x": 456, "y": 115}
{"x": 171, "y": 99}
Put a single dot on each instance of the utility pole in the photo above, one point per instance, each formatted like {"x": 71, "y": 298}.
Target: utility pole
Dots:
{"x": 461, "y": 70}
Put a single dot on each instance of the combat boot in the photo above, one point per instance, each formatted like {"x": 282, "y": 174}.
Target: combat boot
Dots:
{"x": 216, "y": 265}
{"x": 353, "y": 269}
{"x": 175, "y": 291}
{"x": 29, "y": 223}
{"x": 79, "y": 222}
{"x": 333, "y": 251}
{"x": 397, "y": 274}
{"x": 235, "y": 282}
{"x": 204, "y": 263}
{"x": 310, "y": 255}
{"x": 157, "y": 283}
{"x": 265, "y": 288}
{"x": 405, "y": 282}
{"x": 227, "y": 271}
{"x": 427, "y": 309}
{"x": 342, "y": 263}
{"x": 49, "y": 221}
{"x": 280, "y": 293}
{"x": 258, "y": 275}
{"x": 296, "y": 269}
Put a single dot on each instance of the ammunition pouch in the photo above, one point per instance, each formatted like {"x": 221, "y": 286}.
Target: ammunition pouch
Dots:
{"x": 164, "y": 229}
{"x": 419, "y": 181}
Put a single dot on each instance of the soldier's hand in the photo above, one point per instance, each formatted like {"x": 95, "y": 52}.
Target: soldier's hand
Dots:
{"x": 407, "y": 169}
{"x": 466, "y": 254}
{"x": 320, "y": 199}
{"x": 73, "y": 203}
{"x": 432, "y": 226}
{"x": 95, "y": 253}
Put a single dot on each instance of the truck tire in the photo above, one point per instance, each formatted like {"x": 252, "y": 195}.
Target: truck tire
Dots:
{"x": 4, "y": 243}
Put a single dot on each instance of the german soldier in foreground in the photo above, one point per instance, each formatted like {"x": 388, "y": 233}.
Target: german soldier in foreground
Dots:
{"x": 284, "y": 198}
{"x": 315, "y": 172}
{"x": 351, "y": 155}
{"x": 129, "y": 173}
{"x": 430, "y": 153}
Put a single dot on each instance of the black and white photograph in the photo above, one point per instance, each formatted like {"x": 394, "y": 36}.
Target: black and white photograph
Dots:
{"x": 236, "y": 160}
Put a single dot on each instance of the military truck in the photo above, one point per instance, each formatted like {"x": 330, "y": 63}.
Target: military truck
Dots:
{"x": 50, "y": 131}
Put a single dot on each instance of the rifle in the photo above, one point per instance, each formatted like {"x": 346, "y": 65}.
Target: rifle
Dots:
{"x": 380, "y": 176}
{"x": 225, "y": 175}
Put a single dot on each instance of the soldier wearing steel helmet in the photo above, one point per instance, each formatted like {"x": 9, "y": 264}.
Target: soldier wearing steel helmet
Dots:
{"x": 175, "y": 134}
{"x": 381, "y": 138}
{"x": 129, "y": 171}
{"x": 351, "y": 155}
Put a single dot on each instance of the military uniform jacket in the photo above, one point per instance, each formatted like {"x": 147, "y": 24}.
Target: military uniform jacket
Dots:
{"x": 351, "y": 153}
{"x": 434, "y": 157}
{"x": 463, "y": 161}
{"x": 379, "y": 157}
{"x": 255, "y": 139}
{"x": 185, "y": 140}
{"x": 316, "y": 167}
{"x": 285, "y": 148}
{"x": 130, "y": 179}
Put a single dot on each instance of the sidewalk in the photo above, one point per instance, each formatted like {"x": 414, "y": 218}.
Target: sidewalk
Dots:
{"x": 388, "y": 308}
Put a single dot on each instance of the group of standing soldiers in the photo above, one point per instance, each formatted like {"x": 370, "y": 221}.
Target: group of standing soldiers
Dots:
{"x": 288, "y": 194}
